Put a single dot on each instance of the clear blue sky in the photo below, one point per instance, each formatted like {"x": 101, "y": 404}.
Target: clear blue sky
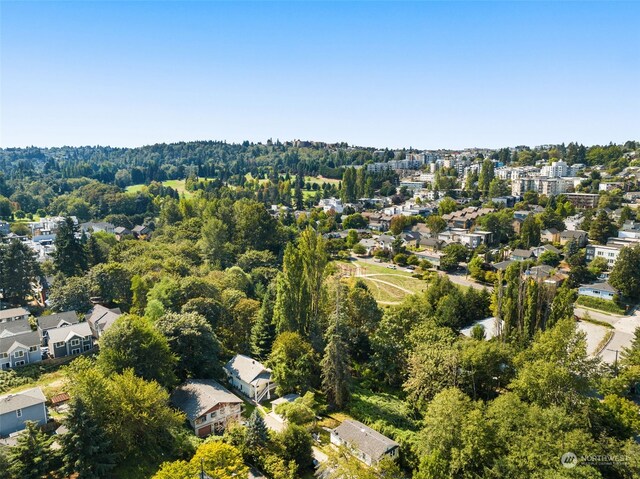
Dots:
{"x": 427, "y": 75}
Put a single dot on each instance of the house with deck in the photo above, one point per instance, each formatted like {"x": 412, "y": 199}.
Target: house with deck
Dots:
{"x": 16, "y": 409}
{"x": 366, "y": 444}
{"x": 208, "y": 405}
{"x": 250, "y": 377}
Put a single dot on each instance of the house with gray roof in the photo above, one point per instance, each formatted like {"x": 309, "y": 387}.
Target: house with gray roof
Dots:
{"x": 16, "y": 409}
{"x": 100, "y": 319}
{"x": 20, "y": 349}
{"x": 70, "y": 340}
{"x": 366, "y": 444}
{"x": 250, "y": 377}
{"x": 58, "y": 320}
{"x": 12, "y": 328}
{"x": 208, "y": 405}
{"x": 598, "y": 290}
{"x": 521, "y": 254}
{"x": 14, "y": 314}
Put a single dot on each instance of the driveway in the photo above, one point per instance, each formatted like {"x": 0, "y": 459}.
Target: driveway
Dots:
{"x": 623, "y": 332}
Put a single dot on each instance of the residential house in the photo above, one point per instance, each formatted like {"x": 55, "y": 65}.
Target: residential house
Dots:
{"x": 516, "y": 224}
{"x": 551, "y": 235}
{"x": 14, "y": 327}
{"x": 46, "y": 323}
{"x": 385, "y": 241}
{"x": 378, "y": 221}
{"x": 16, "y": 409}
{"x": 100, "y": 319}
{"x": 13, "y": 314}
{"x": 366, "y": 444}
{"x": 331, "y": 204}
{"x": 19, "y": 349}
{"x": 369, "y": 244}
{"x": 70, "y": 340}
{"x": 521, "y": 254}
{"x": 578, "y": 236}
{"x": 598, "y": 290}
{"x": 122, "y": 233}
{"x": 141, "y": 232}
{"x": 537, "y": 251}
{"x": 250, "y": 377}
{"x": 503, "y": 265}
{"x": 209, "y": 407}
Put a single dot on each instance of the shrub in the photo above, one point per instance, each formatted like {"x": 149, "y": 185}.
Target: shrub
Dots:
{"x": 600, "y": 304}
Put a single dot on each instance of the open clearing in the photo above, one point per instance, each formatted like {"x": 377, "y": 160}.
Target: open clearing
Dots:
{"x": 178, "y": 185}
{"x": 388, "y": 286}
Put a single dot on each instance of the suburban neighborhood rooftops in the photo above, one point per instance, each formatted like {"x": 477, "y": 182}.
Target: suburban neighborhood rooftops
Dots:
{"x": 600, "y": 287}
{"x": 21, "y": 400}
{"x": 12, "y": 313}
{"x": 59, "y": 335}
{"x": 53, "y": 321}
{"x": 365, "y": 439}
{"x": 502, "y": 265}
{"x": 14, "y": 327}
{"x": 31, "y": 338}
{"x": 247, "y": 369}
{"x": 197, "y": 396}
{"x": 522, "y": 253}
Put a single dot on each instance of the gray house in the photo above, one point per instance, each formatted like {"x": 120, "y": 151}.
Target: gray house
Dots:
{"x": 14, "y": 314}
{"x": 17, "y": 408}
{"x": 100, "y": 319}
{"x": 12, "y": 328}
{"x": 366, "y": 444}
{"x": 250, "y": 377}
{"x": 70, "y": 340}
{"x": 46, "y": 323}
{"x": 20, "y": 349}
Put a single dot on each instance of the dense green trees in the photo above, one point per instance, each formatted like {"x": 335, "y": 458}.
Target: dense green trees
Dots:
{"x": 86, "y": 450}
{"x": 18, "y": 271}
{"x": 336, "y": 371}
{"x": 70, "y": 256}
{"x": 625, "y": 275}
{"x": 32, "y": 456}
{"x": 602, "y": 228}
{"x": 133, "y": 343}
{"x": 294, "y": 363}
{"x": 193, "y": 342}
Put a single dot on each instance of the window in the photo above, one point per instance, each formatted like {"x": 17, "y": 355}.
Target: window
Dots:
{"x": 75, "y": 351}
{"x": 19, "y": 363}
{"x": 59, "y": 345}
{"x": 75, "y": 342}
{"x": 18, "y": 412}
{"x": 200, "y": 420}
{"x": 33, "y": 348}
{"x": 4, "y": 355}
{"x": 18, "y": 354}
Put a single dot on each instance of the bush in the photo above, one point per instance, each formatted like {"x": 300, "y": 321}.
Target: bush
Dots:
{"x": 600, "y": 304}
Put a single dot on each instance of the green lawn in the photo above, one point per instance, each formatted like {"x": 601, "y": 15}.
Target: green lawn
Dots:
{"x": 178, "y": 185}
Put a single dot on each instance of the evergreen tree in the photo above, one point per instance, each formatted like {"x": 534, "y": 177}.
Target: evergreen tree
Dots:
{"x": 257, "y": 433}
{"x": 70, "y": 257}
{"x": 602, "y": 228}
{"x": 31, "y": 457}
{"x": 18, "y": 270}
{"x": 95, "y": 255}
{"x": 263, "y": 332}
{"x": 86, "y": 449}
{"x": 625, "y": 275}
{"x": 530, "y": 232}
{"x": 485, "y": 177}
{"x": 336, "y": 372}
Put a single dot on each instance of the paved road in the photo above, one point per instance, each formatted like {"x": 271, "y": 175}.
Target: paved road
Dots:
{"x": 624, "y": 327}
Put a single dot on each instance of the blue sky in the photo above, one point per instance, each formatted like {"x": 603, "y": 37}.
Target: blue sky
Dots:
{"x": 422, "y": 74}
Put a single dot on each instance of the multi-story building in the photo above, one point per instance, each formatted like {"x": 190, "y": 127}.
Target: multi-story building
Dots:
{"x": 583, "y": 200}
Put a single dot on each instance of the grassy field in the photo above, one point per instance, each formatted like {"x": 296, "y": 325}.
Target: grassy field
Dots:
{"x": 178, "y": 185}
{"x": 388, "y": 286}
